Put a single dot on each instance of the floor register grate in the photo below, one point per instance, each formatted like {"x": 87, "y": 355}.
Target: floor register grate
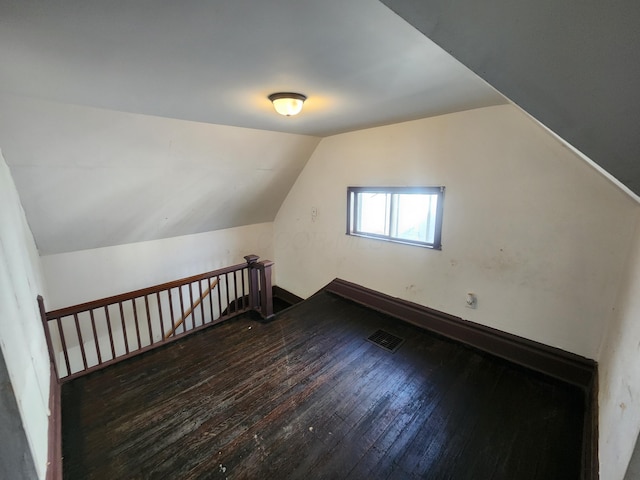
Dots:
{"x": 386, "y": 340}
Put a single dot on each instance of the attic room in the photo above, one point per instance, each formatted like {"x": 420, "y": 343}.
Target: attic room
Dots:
{"x": 139, "y": 146}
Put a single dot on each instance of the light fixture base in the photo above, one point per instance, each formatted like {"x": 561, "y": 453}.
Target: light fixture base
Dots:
{"x": 287, "y": 103}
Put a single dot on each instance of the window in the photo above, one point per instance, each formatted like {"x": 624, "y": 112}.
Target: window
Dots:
{"x": 410, "y": 215}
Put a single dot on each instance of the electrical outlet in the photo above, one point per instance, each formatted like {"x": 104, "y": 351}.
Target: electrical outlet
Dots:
{"x": 471, "y": 301}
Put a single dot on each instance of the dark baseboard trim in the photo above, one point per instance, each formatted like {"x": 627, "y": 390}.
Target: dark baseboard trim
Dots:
{"x": 285, "y": 295}
{"x": 554, "y": 362}
{"x": 54, "y": 461}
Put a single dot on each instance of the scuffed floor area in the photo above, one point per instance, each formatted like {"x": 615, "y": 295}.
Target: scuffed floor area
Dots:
{"x": 306, "y": 396}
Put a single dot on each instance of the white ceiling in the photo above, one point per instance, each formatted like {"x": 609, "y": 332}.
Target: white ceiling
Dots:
{"x": 216, "y": 61}
{"x": 120, "y": 120}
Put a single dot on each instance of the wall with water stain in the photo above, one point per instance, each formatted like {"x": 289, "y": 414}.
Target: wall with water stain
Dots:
{"x": 530, "y": 227}
{"x": 540, "y": 235}
{"x": 619, "y": 359}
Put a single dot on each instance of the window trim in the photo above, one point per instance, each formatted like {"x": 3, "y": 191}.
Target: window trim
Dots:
{"x": 352, "y": 205}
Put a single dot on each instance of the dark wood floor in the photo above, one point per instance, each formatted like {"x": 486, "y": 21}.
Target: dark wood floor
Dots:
{"x": 307, "y": 397}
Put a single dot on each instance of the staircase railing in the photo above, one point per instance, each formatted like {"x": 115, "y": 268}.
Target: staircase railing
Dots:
{"x": 190, "y": 311}
{"x": 90, "y": 336}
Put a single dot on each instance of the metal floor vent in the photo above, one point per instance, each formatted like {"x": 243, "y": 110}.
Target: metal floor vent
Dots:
{"x": 386, "y": 340}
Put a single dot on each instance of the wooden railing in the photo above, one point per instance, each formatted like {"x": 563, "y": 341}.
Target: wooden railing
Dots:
{"x": 86, "y": 337}
{"x": 189, "y": 313}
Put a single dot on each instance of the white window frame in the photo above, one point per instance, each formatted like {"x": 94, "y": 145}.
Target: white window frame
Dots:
{"x": 390, "y": 220}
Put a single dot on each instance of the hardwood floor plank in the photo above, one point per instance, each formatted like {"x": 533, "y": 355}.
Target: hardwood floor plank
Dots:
{"x": 395, "y": 442}
{"x": 306, "y": 396}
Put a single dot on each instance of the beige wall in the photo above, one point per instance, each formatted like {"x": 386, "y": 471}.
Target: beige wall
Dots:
{"x": 85, "y": 275}
{"x": 91, "y": 178}
{"x": 21, "y": 334}
{"x": 540, "y": 236}
{"x": 531, "y": 228}
{"x": 619, "y": 395}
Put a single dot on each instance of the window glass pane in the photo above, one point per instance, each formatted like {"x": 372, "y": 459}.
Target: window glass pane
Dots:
{"x": 411, "y": 215}
{"x": 415, "y": 217}
{"x": 373, "y": 213}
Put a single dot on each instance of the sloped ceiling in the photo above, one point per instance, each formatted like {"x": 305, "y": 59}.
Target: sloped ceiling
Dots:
{"x": 574, "y": 65}
{"x": 91, "y": 178}
{"x": 127, "y": 121}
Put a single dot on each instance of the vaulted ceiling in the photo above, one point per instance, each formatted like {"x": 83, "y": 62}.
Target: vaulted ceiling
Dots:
{"x": 128, "y": 121}
{"x": 217, "y": 61}
{"x": 574, "y": 65}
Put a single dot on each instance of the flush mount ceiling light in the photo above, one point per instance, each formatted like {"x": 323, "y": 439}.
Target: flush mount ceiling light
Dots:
{"x": 287, "y": 103}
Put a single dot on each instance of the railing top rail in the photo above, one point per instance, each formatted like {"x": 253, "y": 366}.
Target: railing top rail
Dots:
{"x": 103, "y": 302}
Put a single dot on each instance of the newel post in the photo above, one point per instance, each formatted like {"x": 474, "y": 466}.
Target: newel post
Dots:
{"x": 266, "y": 290}
{"x": 260, "y": 289}
{"x": 254, "y": 289}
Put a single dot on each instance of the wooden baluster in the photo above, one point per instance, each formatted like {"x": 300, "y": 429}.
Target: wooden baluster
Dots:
{"x": 226, "y": 282}
{"x": 219, "y": 297}
{"x": 109, "y": 329}
{"x": 64, "y": 346}
{"x": 135, "y": 319}
{"x": 173, "y": 325}
{"x": 160, "y": 315}
{"x": 236, "y": 302}
{"x": 245, "y": 299}
{"x": 80, "y": 342}
{"x": 95, "y": 336}
{"x": 201, "y": 306}
{"x": 211, "y": 302}
{"x": 181, "y": 305}
{"x": 189, "y": 312}
{"x": 146, "y": 307}
{"x": 193, "y": 317}
{"x": 266, "y": 290}
{"x": 191, "y": 308}
{"x": 124, "y": 329}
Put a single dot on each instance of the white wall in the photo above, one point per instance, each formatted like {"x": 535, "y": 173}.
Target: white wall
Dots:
{"x": 91, "y": 178}
{"x": 619, "y": 393}
{"x": 531, "y": 228}
{"x": 21, "y": 334}
{"x": 85, "y": 275}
